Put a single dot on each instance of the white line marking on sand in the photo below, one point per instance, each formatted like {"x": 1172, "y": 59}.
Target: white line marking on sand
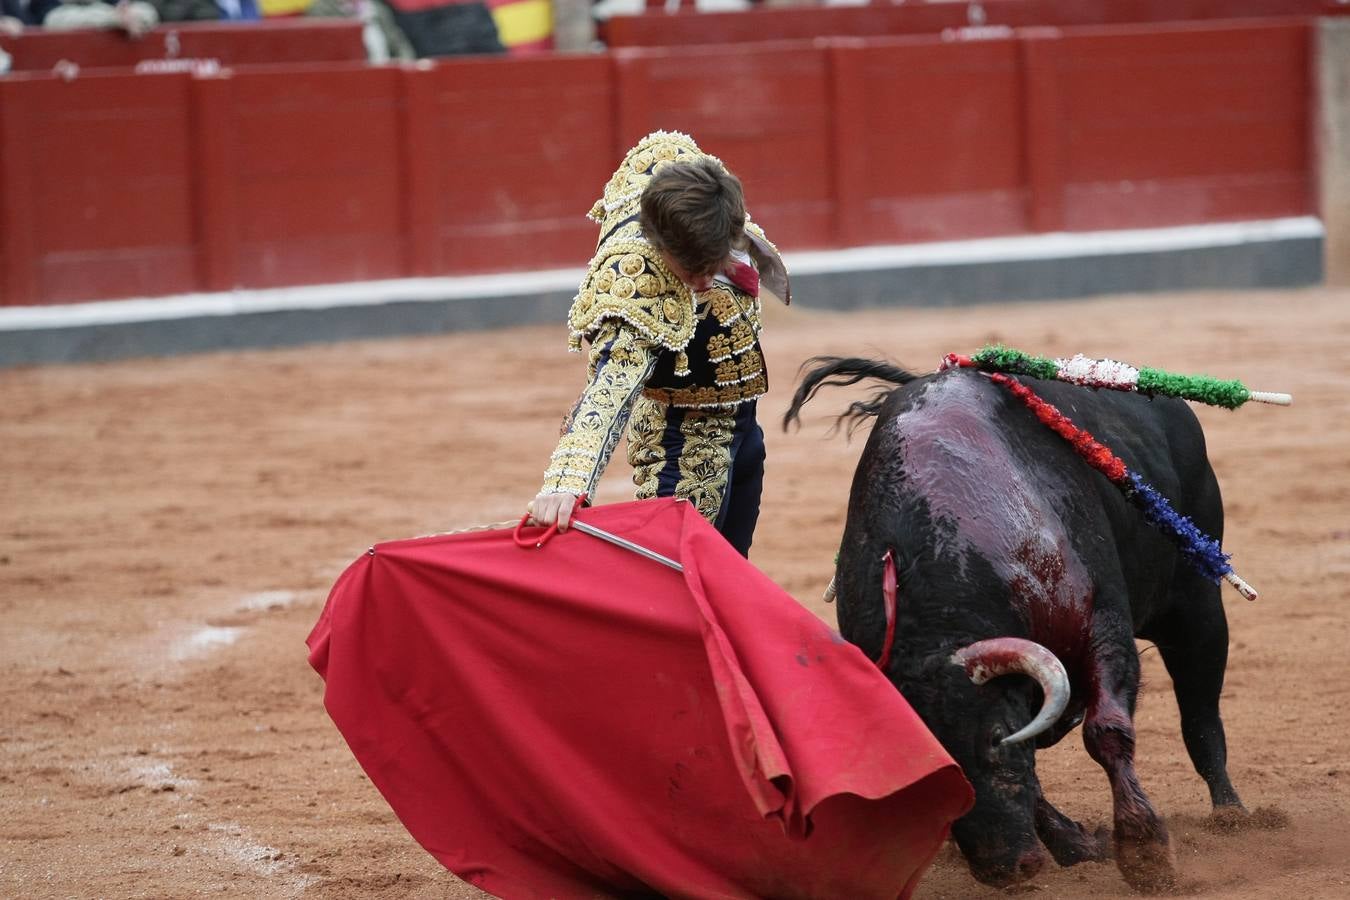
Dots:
{"x": 204, "y": 641}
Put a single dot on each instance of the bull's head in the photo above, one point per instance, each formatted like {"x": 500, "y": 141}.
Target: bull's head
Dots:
{"x": 987, "y": 726}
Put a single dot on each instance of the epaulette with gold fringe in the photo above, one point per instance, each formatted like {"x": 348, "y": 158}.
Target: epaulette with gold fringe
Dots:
{"x": 627, "y": 280}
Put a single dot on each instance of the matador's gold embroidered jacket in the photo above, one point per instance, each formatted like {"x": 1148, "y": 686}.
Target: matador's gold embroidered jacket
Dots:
{"x": 649, "y": 335}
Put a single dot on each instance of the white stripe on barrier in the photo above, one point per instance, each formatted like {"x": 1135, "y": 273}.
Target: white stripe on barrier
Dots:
{"x": 514, "y": 284}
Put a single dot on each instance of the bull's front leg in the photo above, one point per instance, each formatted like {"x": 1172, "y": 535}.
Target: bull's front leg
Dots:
{"x": 1143, "y": 851}
{"x": 1068, "y": 842}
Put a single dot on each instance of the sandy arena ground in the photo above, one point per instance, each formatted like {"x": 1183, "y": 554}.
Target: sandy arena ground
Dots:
{"x": 169, "y": 529}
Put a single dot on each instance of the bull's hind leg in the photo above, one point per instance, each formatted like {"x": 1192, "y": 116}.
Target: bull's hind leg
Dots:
{"x": 1143, "y": 852}
{"x": 1193, "y": 642}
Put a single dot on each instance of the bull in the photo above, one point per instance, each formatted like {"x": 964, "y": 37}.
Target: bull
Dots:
{"x": 1005, "y": 554}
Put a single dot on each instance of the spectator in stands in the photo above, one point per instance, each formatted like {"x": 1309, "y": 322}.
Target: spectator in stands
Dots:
{"x": 10, "y": 26}
{"x": 603, "y": 10}
{"x": 14, "y": 14}
{"x": 383, "y": 38}
{"x": 187, "y": 10}
{"x": 239, "y": 10}
{"x": 135, "y": 17}
{"x": 448, "y": 27}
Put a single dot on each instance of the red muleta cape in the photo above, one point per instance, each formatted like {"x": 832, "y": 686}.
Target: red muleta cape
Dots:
{"x": 576, "y": 719}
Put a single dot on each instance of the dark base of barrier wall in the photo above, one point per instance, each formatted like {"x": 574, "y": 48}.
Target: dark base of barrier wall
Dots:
{"x": 846, "y": 280}
{"x": 1271, "y": 264}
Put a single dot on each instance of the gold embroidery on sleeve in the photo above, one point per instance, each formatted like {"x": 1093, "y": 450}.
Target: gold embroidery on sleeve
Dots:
{"x": 598, "y": 421}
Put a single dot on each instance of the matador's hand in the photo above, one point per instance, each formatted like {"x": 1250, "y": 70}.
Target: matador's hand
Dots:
{"x": 551, "y": 507}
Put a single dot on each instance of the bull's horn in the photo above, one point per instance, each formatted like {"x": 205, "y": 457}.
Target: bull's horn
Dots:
{"x": 983, "y": 660}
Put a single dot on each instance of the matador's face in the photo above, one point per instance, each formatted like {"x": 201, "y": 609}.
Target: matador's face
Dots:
{"x": 695, "y": 282}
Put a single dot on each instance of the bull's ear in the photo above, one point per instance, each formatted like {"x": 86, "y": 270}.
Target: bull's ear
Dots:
{"x": 988, "y": 659}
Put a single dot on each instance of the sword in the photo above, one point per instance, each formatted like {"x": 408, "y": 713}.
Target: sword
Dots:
{"x": 626, "y": 544}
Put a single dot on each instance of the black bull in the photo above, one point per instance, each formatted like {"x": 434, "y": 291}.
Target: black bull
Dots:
{"x": 1004, "y": 542}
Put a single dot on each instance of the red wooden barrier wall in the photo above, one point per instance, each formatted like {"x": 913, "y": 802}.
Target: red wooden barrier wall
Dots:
{"x": 316, "y": 175}
{"x": 1207, "y": 125}
{"x": 686, "y": 27}
{"x": 929, "y": 140}
{"x": 229, "y": 43}
{"x": 125, "y": 185}
{"x": 509, "y": 155}
{"x": 97, "y": 188}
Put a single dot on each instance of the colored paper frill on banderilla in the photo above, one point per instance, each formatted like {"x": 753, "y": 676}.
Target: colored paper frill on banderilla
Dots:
{"x": 576, "y": 719}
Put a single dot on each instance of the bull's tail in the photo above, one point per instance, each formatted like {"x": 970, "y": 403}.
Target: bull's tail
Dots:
{"x": 840, "y": 372}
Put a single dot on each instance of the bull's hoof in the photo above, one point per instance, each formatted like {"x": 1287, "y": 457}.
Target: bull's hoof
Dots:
{"x": 1235, "y": 818}
{"x": 1069, "y": 847}
{"x": 1150, "y": 867}
{"x": 1227, "y": 820}
{"x": 1097, "y": 846}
